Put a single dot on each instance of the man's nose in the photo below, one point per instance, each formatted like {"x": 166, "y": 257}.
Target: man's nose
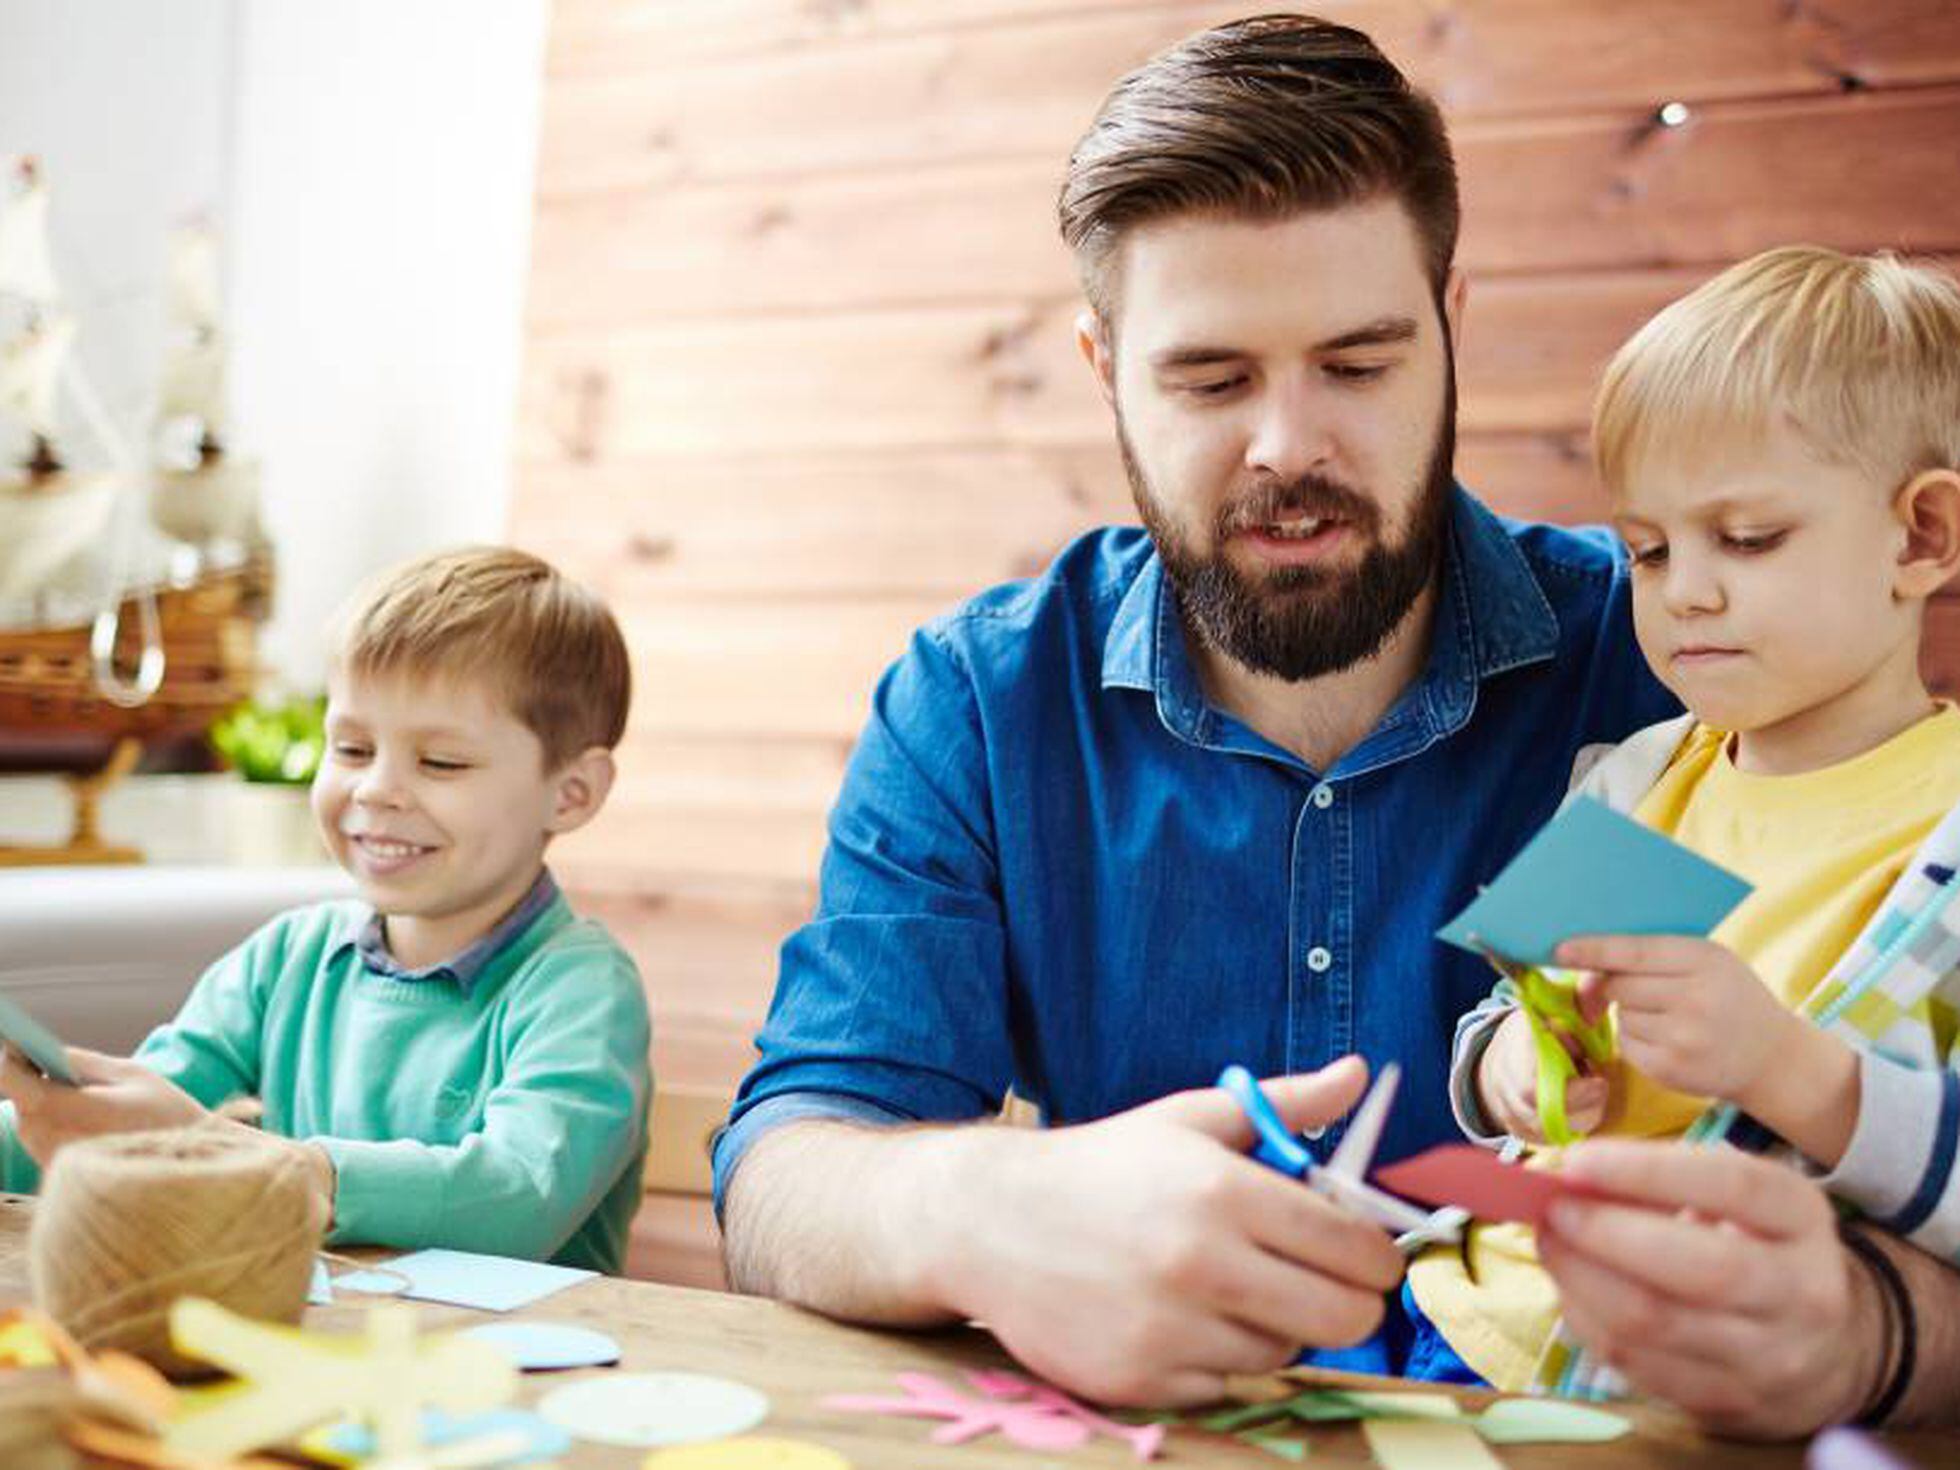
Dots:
{"x": 1290, "y": 436}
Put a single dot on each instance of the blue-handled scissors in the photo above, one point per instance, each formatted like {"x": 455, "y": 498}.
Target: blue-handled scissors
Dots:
{"x": 1344, "y": 1178}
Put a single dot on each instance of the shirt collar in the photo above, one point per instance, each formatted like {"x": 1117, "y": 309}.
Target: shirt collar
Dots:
{"x": 467, "y": 967}
{"x": 1491, "y": 616}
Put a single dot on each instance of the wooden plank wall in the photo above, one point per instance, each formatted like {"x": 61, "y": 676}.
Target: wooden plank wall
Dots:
{"x": 799, "y": 370}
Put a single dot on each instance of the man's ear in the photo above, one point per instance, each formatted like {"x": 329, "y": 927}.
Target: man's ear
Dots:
{"x": 1092, "y": 340}
{"x": 1456, "y": 291}
{"x": 1928, "y": 508}
{"x": 580, "y": 789}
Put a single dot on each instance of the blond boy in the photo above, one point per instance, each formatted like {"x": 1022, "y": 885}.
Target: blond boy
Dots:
{"x": 1781, "y": 451}
{"x": 464, "y": 1060}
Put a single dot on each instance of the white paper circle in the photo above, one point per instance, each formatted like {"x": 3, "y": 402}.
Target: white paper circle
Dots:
{"x": 645, "y": 1410}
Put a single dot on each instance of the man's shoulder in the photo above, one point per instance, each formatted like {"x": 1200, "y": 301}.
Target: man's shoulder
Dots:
{"x": 1075, "y": 598}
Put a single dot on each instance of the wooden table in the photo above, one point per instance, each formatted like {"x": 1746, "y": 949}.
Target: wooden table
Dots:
{"x": 798, "y": 1359}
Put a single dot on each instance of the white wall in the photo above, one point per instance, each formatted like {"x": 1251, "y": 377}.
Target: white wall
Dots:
{"x": 370, "y": 162}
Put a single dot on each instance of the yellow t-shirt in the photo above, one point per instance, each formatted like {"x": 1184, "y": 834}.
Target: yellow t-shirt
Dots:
{"x": 1822, "y": 850}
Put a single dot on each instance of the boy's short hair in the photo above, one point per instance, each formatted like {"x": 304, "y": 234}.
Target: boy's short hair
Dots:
{"x": 1860, "y": 354}
{"x": 550, "y": 647}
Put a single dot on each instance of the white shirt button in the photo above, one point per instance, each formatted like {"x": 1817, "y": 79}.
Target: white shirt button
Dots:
{"x": 1317, "y": 1131}
{"x": 1323, "y": 796}
{"x": 1319, "y": 960}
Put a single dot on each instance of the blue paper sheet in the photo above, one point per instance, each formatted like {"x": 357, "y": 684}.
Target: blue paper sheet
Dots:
{"x": 489, "y": 1283}
{"x": 1592, "y": 871}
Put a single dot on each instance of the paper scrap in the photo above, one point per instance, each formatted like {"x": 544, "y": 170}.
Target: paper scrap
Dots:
{"x": 1476, "y": 1180}
{"x": 528, "y": 1437}
{"x": 464, "y": 1279}
{"x": 35, "y": 1042}
{"x": 1549, "y": 1421}
{"x": 540, "y": 1347}
{"x": 1427, "y": 1444}
{"x": 748, "y": 1454}
{"x": 319, "y": 1291}
{"x": 647, "y": 1410}
{"x": 1592, "y": 871}
{"x": 1023, "y": 1411}
{"x": 292, "y": 1378}
{"x": 1850, "y": 1449}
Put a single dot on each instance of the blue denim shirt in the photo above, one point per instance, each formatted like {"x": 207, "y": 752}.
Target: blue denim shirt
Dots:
{"x": 1055, "y": 866}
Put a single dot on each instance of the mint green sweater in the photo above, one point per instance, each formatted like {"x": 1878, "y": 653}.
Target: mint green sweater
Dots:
{"x": 508, "y": 1118}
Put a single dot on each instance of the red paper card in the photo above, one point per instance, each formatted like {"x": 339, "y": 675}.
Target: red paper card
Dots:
{"x": 1462, "y": 1174}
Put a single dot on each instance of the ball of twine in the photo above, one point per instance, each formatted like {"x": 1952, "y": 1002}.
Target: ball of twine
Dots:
{"x": 130, "y": 1222}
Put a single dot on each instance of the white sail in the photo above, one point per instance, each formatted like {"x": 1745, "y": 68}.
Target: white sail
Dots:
{"x": 194, "y": 299}
{"x": 194, "y": 381}
{"x": 30, "y": 372}
{"x": 194, "y": 366}
{"x": 26, "y": 269}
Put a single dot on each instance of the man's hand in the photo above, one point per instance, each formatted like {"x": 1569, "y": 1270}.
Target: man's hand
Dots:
{"x": 1142, "y": 1258}
{"x": 1507, "y": 1084}
{"x": 1715, "y": 1279}
{"x": 116, "y": 1096}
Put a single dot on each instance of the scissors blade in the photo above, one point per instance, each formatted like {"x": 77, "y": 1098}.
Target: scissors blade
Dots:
{"x": 1356, "y": 1155}
{"x": 1370, "y": 1203}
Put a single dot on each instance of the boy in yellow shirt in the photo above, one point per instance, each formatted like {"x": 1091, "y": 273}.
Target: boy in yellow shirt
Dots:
{"x": 1781, "y": 450}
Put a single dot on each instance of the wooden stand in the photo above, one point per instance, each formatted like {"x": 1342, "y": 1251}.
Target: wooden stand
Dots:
{"x": 84, "y": 844}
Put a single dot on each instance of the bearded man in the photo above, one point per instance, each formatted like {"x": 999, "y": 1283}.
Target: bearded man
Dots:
{"x": 1203, "y": 792}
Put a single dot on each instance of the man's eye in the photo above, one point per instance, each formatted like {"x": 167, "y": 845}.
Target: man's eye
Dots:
{"x": 1356, "y": 372}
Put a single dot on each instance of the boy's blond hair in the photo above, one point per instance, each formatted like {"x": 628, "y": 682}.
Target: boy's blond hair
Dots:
{"x": 549, "y": 647}
{"x": 1860, "y": 354}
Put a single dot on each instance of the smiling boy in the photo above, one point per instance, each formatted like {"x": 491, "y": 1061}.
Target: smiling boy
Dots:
{"x": 464, "y": 1059}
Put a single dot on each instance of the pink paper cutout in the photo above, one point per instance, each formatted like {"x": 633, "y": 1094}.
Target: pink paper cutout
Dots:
{"x": 1462, "y": 1174}
{"x": 1032, "y": 1415}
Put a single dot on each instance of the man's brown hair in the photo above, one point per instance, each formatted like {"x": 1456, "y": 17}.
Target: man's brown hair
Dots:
{"x": 548, "y": 647}
{"x": 1259, "y": 119}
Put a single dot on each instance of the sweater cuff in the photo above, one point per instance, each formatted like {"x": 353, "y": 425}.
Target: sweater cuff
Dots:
{"x": 383, "y": 1193}
{"x": 1472, "y": 1038}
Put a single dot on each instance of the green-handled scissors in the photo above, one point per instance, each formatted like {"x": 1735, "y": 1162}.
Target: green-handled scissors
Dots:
{"x": 1552, "y": 1009}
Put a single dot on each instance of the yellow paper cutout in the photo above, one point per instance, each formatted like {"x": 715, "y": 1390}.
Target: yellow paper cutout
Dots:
{"x": 295, "y": 1379}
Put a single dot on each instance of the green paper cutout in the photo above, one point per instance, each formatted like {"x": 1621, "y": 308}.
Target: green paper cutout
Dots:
{"x": 1278, "y": 1444}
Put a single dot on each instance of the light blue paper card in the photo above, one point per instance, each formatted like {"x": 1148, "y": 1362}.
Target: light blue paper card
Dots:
{"x": 539, "y": 1439}
{"x": 35, "y": 1042}
{"x": 319, "y": 1291}
{"x": 1592, "y": 871}
{"x": 462, "y": 1279}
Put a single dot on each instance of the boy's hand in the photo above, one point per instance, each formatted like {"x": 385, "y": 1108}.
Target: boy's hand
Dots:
{"x": 1507, "y": 1084}
{"x": 1692, "y": 1015}
{"x": 116, "y": 1096}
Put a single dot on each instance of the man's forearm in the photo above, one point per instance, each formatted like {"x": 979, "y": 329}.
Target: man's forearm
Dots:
{"x": 1932, "y": 1398}
{"x": 858, "y": 1221}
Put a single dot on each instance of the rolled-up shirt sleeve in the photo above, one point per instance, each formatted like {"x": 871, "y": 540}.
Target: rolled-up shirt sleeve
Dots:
{"x": 891, "y": 1004}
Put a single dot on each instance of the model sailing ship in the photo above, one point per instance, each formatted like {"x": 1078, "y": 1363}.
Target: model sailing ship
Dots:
{"x": 133, "y": 565}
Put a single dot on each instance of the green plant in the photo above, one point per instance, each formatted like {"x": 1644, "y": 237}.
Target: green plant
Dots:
{"x": 277, "y": 743}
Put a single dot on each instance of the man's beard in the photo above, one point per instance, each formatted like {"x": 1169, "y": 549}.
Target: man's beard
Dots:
{"x": 1300, "y": 622}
